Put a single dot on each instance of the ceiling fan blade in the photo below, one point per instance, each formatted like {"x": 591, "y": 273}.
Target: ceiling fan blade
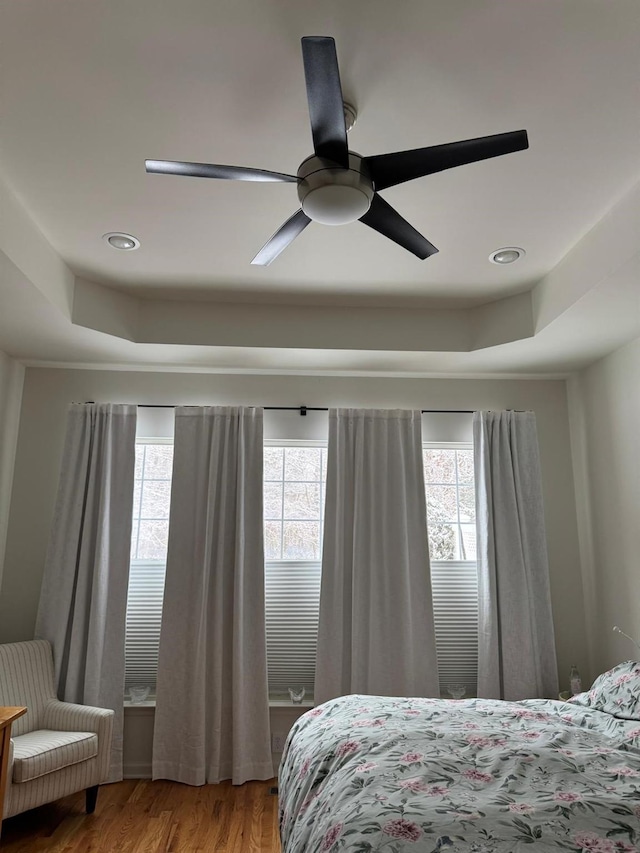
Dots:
{"x": 324, "y": 94}
{"x": 387, "y": 170}
{"x": 285, "y": 235}
{"x": 387, "y": 221}
{"x": 211, "y": 170}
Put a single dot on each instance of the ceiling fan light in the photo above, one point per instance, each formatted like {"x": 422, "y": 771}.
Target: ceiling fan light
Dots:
{"x": 507, "y": 255}
{"x": 335, "y": 204}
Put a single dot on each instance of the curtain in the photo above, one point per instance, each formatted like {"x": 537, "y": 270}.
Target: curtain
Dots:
{"x": 212, "y": 707}
{"x": 376, "y": 632}
{"x": 83, "y": 600}
{"x": 516, "y": 648}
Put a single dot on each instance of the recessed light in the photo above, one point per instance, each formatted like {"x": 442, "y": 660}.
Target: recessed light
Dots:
{"x": 125, "y": 242}
{"x": 507, "y": 255}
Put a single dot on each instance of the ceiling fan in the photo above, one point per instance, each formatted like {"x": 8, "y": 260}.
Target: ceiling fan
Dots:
{"x": 336, "y": 185}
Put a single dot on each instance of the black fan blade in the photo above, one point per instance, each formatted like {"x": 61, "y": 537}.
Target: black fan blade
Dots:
{"x": 282, "y": 238}
{"x": 387, "y": 170}
{"x": 387, "y": 221}
{"x": 211, "y": 170}
{"x": 324, "y": 94}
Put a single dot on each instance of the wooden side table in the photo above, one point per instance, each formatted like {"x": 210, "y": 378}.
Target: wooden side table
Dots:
{"x": 7, "y": 716}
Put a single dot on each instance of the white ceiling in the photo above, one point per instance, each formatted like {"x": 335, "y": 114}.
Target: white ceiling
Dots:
{"x": 90, "y": 90}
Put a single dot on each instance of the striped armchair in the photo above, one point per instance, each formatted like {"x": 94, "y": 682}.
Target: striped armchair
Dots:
{"x": 57, "y": 748}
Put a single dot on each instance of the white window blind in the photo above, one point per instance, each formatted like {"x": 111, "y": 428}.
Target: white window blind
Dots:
{"x": 144, "y": 614}
{"x": 455, "y": 613}
{"x": 292, "y": 605}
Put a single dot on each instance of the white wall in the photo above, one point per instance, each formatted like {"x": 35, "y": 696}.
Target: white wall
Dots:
{"x": 605, "y": 431}
{"x": 47, "y": 394}
{"x": 11, "y": 381}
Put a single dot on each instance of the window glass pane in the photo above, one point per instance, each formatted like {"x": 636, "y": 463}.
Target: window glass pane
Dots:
{"x": 297, "y": 496}
{"x": 273, "y": 500}
{"x": 273, "y": 463}
{"x": 442, "y": 504}
{"x": 442, "y": 541}
{"x": 152, "y": 541}
{"x": 272, "y": 540}
{"x": 301, "y": 540}
{"x": 302, "y": 500}
{"x": 465, "y": 466}
{"x": 302, "y": 463}
{"x": 439, "y": 465}
{"x": 449, "y": 489}
{"x": 158, "y": 461}
{"x": 467, "y": 503}
{"x": 156, "y": 496}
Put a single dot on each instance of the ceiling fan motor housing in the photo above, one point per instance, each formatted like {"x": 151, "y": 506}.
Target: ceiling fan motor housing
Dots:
{"x": 331, "y": 195}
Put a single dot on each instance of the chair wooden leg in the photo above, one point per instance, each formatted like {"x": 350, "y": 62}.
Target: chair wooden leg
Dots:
{"x": 92, "y": 796}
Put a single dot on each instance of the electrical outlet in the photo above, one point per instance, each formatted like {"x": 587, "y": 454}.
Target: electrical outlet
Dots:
{"x": 277, "y": 742}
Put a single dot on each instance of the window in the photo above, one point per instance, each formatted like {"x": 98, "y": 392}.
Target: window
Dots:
{"x": 149, "y": 535}
{"x": 294, "y": 474}
{"x": 294, "y": 483}
{"x": 294, "y": 495}
{"x": 449, "y": 486}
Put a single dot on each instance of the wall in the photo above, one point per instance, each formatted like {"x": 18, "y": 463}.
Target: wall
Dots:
{"x": 604, "y": 404}
{"x": 11, "y": 381}
{"x": 47, "y": 394}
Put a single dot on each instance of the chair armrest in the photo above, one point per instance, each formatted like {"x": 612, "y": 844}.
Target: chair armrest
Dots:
{"x": 67, "y": 717}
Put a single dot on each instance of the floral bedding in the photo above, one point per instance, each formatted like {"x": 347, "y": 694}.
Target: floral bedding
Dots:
{"x": 615, "y": 692}
{"x": 370, "y": 773}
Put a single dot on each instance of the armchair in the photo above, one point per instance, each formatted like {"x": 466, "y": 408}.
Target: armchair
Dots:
{"x": 58, "y": 748}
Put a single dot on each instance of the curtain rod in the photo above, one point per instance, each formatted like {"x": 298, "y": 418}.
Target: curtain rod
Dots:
{"x": 304, "y": 409}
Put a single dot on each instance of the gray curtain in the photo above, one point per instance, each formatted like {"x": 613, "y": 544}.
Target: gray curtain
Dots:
{"x": 212, "y": 707}
{"x": 516, "y": 652}
{"x": 83, "y": 600}
{"x": 376, "y": 632}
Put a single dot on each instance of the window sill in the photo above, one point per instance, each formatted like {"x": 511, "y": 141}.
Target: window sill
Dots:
{"x": 273, "y": 703}
{"x": 287, "y": 703}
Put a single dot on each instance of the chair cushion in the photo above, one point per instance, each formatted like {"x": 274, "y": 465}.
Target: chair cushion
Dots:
{"x": 38, "y": 753}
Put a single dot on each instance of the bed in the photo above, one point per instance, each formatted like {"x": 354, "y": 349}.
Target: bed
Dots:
{"x": 371, "y": 773}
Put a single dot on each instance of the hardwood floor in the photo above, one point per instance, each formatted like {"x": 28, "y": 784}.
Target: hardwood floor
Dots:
{"x": 140, "y": 816}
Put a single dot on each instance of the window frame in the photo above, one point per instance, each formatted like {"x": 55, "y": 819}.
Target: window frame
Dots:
{"x": 144, "y": 565}
{"x": 313, "y": 566}
{"x": 467, "y": 671}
